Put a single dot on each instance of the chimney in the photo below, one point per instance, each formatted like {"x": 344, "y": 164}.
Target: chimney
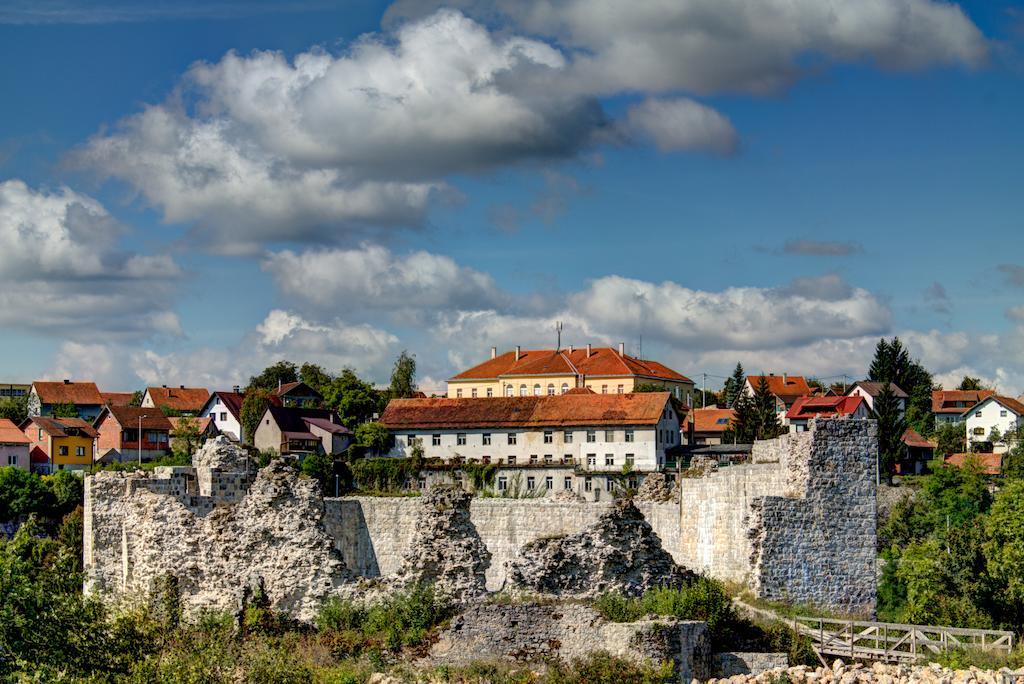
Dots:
{"x": 163, "y": 386}
{"x": 494, "y": 352}
{"x": 571, "y": 349}
{"x": 785, "y": 378}
{"x": 279, "y": 383}
{"x": 236, "y": 389}
{"x": 181, "y": 387}
{"x": 590, "y": 350}
{"x": 622, "y": 348}
{"x": 518, "y": 350}
{"x": 66, "y": 381}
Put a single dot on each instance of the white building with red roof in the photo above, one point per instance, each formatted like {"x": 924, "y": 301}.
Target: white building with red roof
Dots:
{"x": 991, "y": 419}
{"x": 785, "y": 388}
{"x": 804, "y": 409}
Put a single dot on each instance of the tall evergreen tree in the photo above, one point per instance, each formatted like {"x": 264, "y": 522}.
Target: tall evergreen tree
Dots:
{"x": 767, "y": 418}
{"x": 744, "y": 425}
{"x": 892, "y": 364}
{"x": 403, "y": 377}
{"x": 891, "y": 427}
{"x": 734, "y": 385}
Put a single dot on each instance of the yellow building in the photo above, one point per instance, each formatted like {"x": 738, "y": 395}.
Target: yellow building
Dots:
{"x": 60, "y": 443}
{"x": 540, "y": 372}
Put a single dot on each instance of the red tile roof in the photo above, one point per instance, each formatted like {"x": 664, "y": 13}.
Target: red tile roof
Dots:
{"x": 913, "y": 439}
{"x": 805, "y": 408}
{"x": 232, "y": 401}
{"x": 203, "y": 424}
{"x": 945, "y": 401}
{"x": 1010, "y": 403}
{"x": 10, "y": 434}
{"x": 713, "y": 419}
{"x": 58, "y": 427}
{"x": 603, "y": 361}
{"x": 79, "y": 393}
{"x": 179, "y": 398}
{"x": 117, "y": 398}
{"x": 128, "y": 416}
{"x": 783, "y": 386}
{"x": 991, "y": 464}
{"x": 643, "y": 408}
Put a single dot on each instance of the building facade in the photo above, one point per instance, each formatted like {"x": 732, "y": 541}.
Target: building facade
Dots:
{"x": 869, "y": 391}
{"x": 296, "y": 431}
{"x": 84, "y": 396}
{"x": 806, "y": 409}
{"x": 59, "y": 443}
{"x": 120, "y": 439}
{"x": 184, "y": 400}
{"x": 14, "y": 446}
{"x": 950, "y": 406}
{"x": 224, "y": 409}
{"x": 989, "y": 421}
{"x": 785, "y": 388}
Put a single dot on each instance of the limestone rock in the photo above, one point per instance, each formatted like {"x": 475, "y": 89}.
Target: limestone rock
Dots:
{"x": 655, "y": 487}
{"x": 221, "y": 453}
{"x": 619, "y": 553}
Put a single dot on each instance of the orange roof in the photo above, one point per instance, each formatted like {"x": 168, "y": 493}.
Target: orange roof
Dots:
{"x": 1010, "y": 403}
{"x": 179, "y": 398}
{"x": 782, "y": 386}
{"x": 713, "y": 419}
{"x": 117, "y": 398}
{"x": 66, "y": 392}
{"x": 805, "y": 408}
{"x": 603, "y": 361}
{"x": 560, "y": 410}
{"x": 59, "y": 427}
{"x": 946, "y": 401}
{"x": 10, "y": 434}
{"x": 130, "y": 416}
{"x": 991, "y": 464}
{"x": 913, "y": 439}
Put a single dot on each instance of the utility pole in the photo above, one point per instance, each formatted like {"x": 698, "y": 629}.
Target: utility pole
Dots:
{"x": 703, "y": 390}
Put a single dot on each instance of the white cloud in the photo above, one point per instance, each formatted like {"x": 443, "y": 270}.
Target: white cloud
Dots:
{"x": 682, "y": 124}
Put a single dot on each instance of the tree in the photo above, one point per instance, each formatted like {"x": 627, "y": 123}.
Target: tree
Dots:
{"x": 745, "y": 425}
{"x": 137, "y": 397}
{"x": 734, "y": 386}
{"x": 951, "y": 438}
{"x": 373, "y": 436}
{"x": 892, "y": 364}
{"x": 1004, "y": 549}
{"x": 274, "y": 376}
{"x": 766, "y": 416}
{"x": 64, "y": 410}
{"x": 891, "y": 427}
{"x": 14, "y": 409}
{"x": 315, "y": 376}
{"x": 320, "y": 467}
{"x": 186, "y": 437}
{"x": 969, "y": 383}
{"x": 403, "y": 377}
{"x": 253, "y": 407}
{"x": 355, "y": 400}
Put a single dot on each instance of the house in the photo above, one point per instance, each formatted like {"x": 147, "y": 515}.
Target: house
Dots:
{"x": 13, "y": 390}
{"x": 119, "y": 433}
{"x": 577, "y": 442}
{"x": 917, "y": 452}
{"x": 709, "y": 424}
{"x": 224, "y": 409}
{"x": 117, "y": 398}
{"x": 59, "y": 443}
{"x": 990, "y": 464}
{"x": 299, "y": 431}
{"x": 298, "y": 394}
{"x": 994, "y": 412}
{"x": 785, "y": 388}
{"x": 870, "y": 390}
{"x": 948, "y": 406}
{"x": 84, "y": 396}
{"x": 180, "y": 399}
{"x": 806, "y": 408}
{"x": 204, "y": 426}
{"x": 14, "y": 446}
{"x": 546, "y": 372}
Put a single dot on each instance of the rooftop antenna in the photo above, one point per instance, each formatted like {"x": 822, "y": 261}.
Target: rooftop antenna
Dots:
{"x": 558, "y": 329}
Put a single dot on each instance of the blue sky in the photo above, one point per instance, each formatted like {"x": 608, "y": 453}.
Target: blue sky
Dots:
{"x": 336, "y": 182}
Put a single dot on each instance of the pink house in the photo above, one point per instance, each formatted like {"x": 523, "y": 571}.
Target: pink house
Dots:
{"x": 13, "y": 446}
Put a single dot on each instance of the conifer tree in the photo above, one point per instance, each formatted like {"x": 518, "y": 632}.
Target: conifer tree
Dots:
{"x": 891, "y": 427}
{"x": 768, "y": 425}
{"x": 734, "y": 386}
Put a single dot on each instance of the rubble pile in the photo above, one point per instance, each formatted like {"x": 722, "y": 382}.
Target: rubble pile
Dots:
{"x": 882, "y": 673}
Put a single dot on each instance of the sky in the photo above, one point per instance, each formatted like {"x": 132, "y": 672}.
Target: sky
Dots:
{"x": 190, "y": 191}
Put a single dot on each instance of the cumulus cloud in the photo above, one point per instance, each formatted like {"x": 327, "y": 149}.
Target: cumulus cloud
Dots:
{"x": 682, "y": 124}
{"x": 821, "y": 247}
{"x": 714, "y": 46}
{"x": 61, "y": 270}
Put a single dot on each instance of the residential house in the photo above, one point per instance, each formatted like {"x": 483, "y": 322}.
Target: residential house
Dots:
{"x": 994, "y": 412}
{"x": 117, "y": 398}
{"x": 14, "y": 446}
{"x": 579, "y": 442}
{"x": 13, "y": 390}
{"x": 180, "y": 399}
{"x": 948, "y": 406}
{"x": 120, "y": 438}
{"x": 298, "y": 394}
{"x": 870, "y": 390}
{"x": 989, "y": 464}
{"x": 224, "y": 409}
{"x": 547, "y": 372}
{"x": 709, "y": 424}
{"x": 804, "y": 409}
{"x": 785, "y": 388}
{"x": 85, "y": 397}
{"x": 917, "y": 452}
{"x": 204, "y": 426}
{"x": 59, "y": 443}
{"x": 300, "y": 431}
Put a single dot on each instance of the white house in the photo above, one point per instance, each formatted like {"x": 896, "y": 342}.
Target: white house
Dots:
{"x": 869, "y": 391}
{"x": 785, "y": 388}
{"x": 224, "y": 409}
{"x": 1002, "y": 413}
{"x": 950, "y": 406}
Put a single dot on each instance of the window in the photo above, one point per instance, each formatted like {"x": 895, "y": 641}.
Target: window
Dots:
{"x": 588, "y": 484}
{"x": 591, "y": 435}
{"x": 458, "y": 394}
{"x": 511, "y": 460}
{"x": 604, "y": 389}
{"x": 549, "y": 483}
{"x": 533, "y": 458}
{"x": 486, "y": 439}
{"x": 549, "y": 437}
{"x": 531, "y": 483}
{"x": 80, "y": 451}
{"x": 435, "y": 440}
{"x": 629, "y": 435}
{"x": 63, "y": 451}
{"x": 410, "y": 440}
{"x": 551, "y": 390}
{"x": 548, "y": 458}
{"x": 472, "y": 393}
{"x": 609, "y": 459}
{"x": 39, "y": 435}
{"x": 977, "y": 431}
{"x": 567, "y": 436}
{"x": 609, "y": 435}
{"x": 536, "y": 390}
{"x": 633, "y": 483}
{"x": 567, "y": 458}
{"x": 12, "y": 459}
{"x": 216, "y": 401}
{"x": 620, "y": 389}
{"x": 522, "y": 390}
{"x": 630, "y": 459}
{"x": 223, "y": 416}
{"x": 508, "y": 390}
{"x": 565, "y": 387}
{"x": 591, "y": 459}
{"x": 422, "y": 483}
{"x": 567, "y": 483}
{"x": 502, "y": 484}
{"x": 460, "y": 439}
{"x": 511, "y": 438}
{"x": 608, "y": 484}
{"x": 1002, "y": 414}
{"x": 490, "y": 392}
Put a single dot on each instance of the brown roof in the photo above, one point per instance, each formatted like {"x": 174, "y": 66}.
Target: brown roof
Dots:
{"x": 80, "y": 393}
{"x": 642, "y": 408}
{"x": 913, "y": 439}
{"x": 179, "y": 398}
{"x": 875, "y": 388}
{"x": 128, "y": 416}
{"x": 10, "y": 434}
{"x": 785, "y": 387}
{"x": 203, "y": 424}
{"x": 58, "y": 427}
{"x": 232, "y": 401}
{"x": 580, "y": 390}
{"x": 711, "y": 419}
{"x": 805, "y": 408}
{"x": 1010, "y": 403}
{"x": 603, "y": 361}
{"x": 289, "y": 387}
{"x": 117, "y": 398}
{"x": 945, "y": 401}
{"x": 991, "y": 464}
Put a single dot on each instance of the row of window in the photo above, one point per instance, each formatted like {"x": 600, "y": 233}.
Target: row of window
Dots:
{"x": 11, "y": 392}
{"x": 12, "y": 459}
{"x": 567, "y": 484}
{"x": 79, "y": 451}
{"x": 524, "y": 390}
{"x": 512, "y": 437}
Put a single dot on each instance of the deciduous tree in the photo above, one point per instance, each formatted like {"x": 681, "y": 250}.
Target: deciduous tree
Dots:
{"x": 403, "y": 377}
{"x": 253, "y": 407}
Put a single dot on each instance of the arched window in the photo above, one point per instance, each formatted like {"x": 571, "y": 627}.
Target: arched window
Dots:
{"x": 522, "y": 390}
{"x": 565, "y": 387}
{"x": 551, "y": 390}
{"x": 509, "y": 390}
{"x": 536, "y": 390}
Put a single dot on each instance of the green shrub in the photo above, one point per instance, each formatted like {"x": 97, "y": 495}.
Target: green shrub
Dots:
{"x": 701, "y": 599}
{"x": 602, "y": 667}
